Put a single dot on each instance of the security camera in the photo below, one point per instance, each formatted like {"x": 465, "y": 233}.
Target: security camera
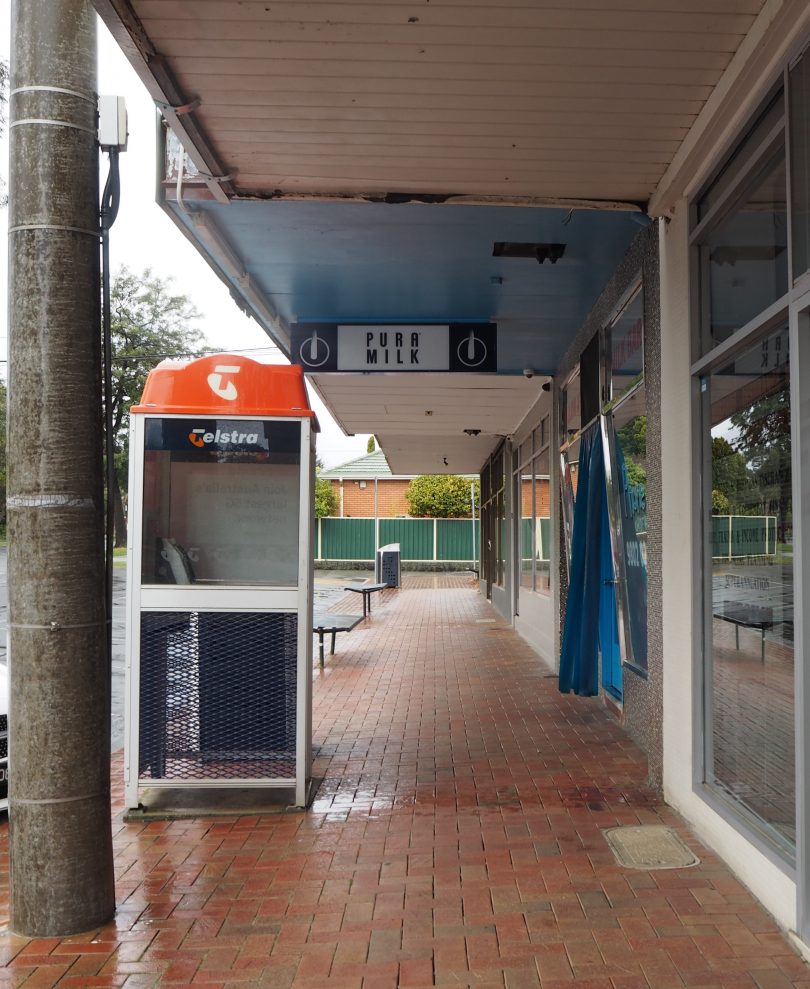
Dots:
{"x": 528, "y": 372}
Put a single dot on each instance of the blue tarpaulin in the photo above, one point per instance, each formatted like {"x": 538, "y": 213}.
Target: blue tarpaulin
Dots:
{"x": 579, "y": 660}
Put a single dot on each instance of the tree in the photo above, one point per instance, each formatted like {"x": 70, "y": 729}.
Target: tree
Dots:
{"x": 443, "y": 496}
{"x": 148, "y": 323}
{"x": 371, "y": 446}
{"x": 730, "y": 476}
{"x": 326, "y": 499}
{"x": 763, "y": 439}
{"x": 633, "y": 438}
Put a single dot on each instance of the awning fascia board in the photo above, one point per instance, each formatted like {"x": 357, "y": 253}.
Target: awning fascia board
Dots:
{"x": 153, "y": 71}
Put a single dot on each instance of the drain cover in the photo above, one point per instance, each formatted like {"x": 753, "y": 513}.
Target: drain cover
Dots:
{"x": 649, "y": 847}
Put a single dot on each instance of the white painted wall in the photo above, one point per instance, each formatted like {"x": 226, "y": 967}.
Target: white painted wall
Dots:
{"x": 535, "y": 624}
{"x": 682, "y": 708}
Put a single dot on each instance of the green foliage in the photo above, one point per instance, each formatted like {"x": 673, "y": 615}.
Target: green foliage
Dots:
{"x": 636, "y": 474}
{"x": 371, "y": 446}
{"x": 148, "y": 323}
{"x": 441, "y": 496}
{"x": 326, "y": 499}
{"x": 633, "y": 438}
{"x": 720, "y": 503}
{"x": 730, "y": 475}
{"x": 763, "y": 439}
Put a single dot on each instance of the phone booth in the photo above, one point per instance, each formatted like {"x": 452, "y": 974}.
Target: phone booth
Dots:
{"x": 219, "y": 582}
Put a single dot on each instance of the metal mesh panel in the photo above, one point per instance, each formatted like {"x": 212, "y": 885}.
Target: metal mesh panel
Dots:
{"x": 218, "y": 694}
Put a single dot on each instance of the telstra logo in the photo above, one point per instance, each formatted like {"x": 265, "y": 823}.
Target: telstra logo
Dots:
{"x": 202, "y": 438}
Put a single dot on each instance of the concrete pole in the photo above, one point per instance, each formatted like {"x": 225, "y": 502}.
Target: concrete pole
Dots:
{"x": 60, "y": 833}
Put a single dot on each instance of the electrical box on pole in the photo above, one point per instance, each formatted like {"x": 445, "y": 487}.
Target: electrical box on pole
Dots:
{"x": 219, "y": 583}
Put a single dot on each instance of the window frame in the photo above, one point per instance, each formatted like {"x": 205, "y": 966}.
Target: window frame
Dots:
{"x": 706, "y": 358}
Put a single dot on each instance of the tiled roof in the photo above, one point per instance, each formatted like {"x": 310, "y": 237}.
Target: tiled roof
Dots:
{"x": 370, "y": 466}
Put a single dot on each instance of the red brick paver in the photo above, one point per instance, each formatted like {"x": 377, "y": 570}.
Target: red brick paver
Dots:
{"x": 456, "y": 840}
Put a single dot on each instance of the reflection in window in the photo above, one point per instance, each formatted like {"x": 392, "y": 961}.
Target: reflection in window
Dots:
{"x": 570, "y": 408}
{"x": 535, "y": 523}
{"x": 568, "y": 480}
{"x": 501, "y": 539}
{"x": 749, "y": 584}
{"x": 628, "y": 423}
{"x": 526, "y": 534}
{"x": 800, "y": 164}
{"x": 627, "y": 348}
{"x": 744, "y": 258}
{"x": 221, "y": 502}
{"x": 542, "y": 523}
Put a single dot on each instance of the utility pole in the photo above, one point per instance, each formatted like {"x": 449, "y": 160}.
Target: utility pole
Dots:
{"x": 59, "y": 799}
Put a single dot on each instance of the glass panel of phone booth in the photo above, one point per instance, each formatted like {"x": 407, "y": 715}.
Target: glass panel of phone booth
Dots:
{"x": 221, "y": 502}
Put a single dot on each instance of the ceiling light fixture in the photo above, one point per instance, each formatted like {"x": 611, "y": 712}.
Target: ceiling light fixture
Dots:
{"x": 517, "y": 249}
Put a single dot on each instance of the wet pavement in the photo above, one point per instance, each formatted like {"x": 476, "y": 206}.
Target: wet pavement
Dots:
{"x": 328, "y": 590}
{"x": 456, "y": 839}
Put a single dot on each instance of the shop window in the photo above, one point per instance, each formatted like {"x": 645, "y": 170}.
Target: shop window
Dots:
{"x": 742, "y": 232}
{"x": 744, "y": 260}
{"x": 748, "y": 582}
{"x": 799, "y": 92}
{"x": 589, "y": 381}
{"x": 569, "y": 467}
{"x": 570, "y": 408}
{"x": 541, "y": 522}
{"x": 534, "y": 498}
{"x": 626, "y": 348}
{"x": 627, "y": 492}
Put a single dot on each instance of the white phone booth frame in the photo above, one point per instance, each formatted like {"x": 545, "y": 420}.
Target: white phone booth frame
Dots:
{"x": 226, "y": 598}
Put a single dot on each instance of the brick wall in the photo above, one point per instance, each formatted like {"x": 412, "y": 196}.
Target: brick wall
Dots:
{"x": 543, "y": 504}
{"x": 359, "y": 502}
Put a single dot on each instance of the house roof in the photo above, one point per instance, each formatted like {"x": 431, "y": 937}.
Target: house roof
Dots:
{"x": 370, "y": 465}
{"x": 366, "y": 468}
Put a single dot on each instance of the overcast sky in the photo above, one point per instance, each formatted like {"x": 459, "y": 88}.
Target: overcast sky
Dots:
{"x": 144, "y": 237}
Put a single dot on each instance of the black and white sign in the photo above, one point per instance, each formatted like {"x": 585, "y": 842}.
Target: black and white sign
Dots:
{"x": 323, "y": 347}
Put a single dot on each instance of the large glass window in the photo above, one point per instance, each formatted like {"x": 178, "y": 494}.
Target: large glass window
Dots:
{"x": 749, "y": 582}
{"x": 627, "y": 433}
{"x": 627, "y": 347}
{"x": 494, "y": 523}
{"x": 221, "y": 502}
{"x": 742, "y": 236}
{"x": 744, "y": 258}
{"x": 800, "y": 164}
{"x": 534, "y": 498}
{"x": 570, "y": 408}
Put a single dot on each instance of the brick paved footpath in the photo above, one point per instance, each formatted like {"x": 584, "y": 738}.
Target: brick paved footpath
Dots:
{"x": 455, "y": 841}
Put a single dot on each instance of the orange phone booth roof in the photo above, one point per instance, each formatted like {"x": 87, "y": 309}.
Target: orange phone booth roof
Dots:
{"x": 224, "y": 384}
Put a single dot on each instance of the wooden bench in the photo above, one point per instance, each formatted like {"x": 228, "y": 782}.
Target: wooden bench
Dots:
{"x": 746, "y": 616}
{"x": 366, "y": 590}
{"x": 324, "y": 622}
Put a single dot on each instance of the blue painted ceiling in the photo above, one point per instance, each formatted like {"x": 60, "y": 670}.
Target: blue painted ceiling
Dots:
{"x": 375, "y": 262}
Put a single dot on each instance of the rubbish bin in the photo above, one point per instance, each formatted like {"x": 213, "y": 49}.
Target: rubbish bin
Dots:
{"x": 388, "y": 569}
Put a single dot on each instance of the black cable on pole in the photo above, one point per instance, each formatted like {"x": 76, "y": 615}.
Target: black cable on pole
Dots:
{"x": 110, "y": 201}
